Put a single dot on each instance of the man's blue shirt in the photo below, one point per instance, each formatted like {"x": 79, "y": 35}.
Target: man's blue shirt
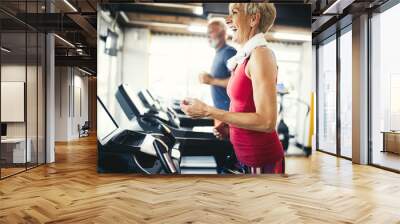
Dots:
{"x": 220, "y": 71}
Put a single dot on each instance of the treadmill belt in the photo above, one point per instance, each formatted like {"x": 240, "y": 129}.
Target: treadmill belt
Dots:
{"x": 198, "y": 162}
{"x": 199, "y": 171}
{"x": 195, "y": 135}
{"x": 198, "y": 165}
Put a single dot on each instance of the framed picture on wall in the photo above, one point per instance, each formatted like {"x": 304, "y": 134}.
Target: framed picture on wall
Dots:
{"x": 12, "y": 101}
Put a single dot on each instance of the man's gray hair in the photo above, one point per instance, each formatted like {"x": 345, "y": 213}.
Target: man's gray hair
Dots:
{"x": 218, "y": 21}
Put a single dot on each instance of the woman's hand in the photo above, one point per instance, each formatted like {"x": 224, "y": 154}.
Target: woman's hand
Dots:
{"x": 194, "y": 108}
{"x": 221, "y": 131}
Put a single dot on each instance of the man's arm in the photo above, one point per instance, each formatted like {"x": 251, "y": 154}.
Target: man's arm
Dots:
{"x": 209, "y": 80}
{"x": 220, "y": 82}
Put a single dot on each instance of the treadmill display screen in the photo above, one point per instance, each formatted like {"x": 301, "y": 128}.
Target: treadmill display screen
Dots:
{"x": 148, "y": 98}
{"x": 148, "y": 92}
{"x": 105, "y": 124}
{"x": 136, "y": 101}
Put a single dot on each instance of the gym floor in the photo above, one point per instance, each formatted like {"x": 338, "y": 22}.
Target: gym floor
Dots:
{"x": 387, "y": 159}
{"x": 318, "y": 189}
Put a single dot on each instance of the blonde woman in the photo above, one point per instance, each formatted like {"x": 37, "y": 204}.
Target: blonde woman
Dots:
{"x": 252, "y": 113}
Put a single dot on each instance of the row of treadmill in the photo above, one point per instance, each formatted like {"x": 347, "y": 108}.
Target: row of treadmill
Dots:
{"x": 164, "y": 140}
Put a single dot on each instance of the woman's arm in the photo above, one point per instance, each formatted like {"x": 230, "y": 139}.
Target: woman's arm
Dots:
{"x": 263, "y": 73}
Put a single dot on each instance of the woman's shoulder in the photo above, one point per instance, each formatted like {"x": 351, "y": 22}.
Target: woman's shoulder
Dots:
{"x": 262, "y": 55}
{"x": 261, "y": 58}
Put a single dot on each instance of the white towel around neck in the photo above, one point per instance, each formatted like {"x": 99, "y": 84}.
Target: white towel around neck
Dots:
{"x": 257, "y": 40}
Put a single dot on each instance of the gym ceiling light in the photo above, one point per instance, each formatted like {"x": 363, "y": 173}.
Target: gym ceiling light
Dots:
{"x": 5, "y": 50}
{"x": 70, "y": 5}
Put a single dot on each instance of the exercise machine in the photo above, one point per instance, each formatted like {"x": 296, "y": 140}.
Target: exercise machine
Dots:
{"x": 192, "y": 143}
{"x": 121, "y": 150}
{"x": 156, "y": 107}
{"x": 284, "y": 131}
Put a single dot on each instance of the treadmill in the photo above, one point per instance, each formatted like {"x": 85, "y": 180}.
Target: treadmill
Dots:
{"x": 185, "y": 121}
{"x": 133, "y": 107}
{"x": 192, "y": 143}
{"x": 122, "y": 150}
{"x": 177, "y": 107}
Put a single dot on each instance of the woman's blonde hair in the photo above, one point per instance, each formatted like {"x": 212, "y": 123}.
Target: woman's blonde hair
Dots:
{"x": 267, "y": 13}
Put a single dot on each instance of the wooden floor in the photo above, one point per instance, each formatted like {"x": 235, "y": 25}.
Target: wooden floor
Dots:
{"x": 10, "y": 171}
{"x": 321, "y": 189}
{"x": 386, "y": 159}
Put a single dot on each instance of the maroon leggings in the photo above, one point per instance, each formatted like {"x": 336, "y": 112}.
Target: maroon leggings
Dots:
{"x": 273, "y": 168}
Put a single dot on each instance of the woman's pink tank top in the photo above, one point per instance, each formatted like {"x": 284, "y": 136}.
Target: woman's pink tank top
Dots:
{"x": 253, "y": 148}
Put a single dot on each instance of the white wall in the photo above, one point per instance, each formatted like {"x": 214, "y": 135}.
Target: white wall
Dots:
{"x": 80, "y": 104}
{"x": 125, "y": 67}
{"x": 61, "y": 103}
{"x": 135, "y": 58}
{"x": 82, "y": 82}
{"x": 70, "y": 84}
{"x": 176, "y": 60}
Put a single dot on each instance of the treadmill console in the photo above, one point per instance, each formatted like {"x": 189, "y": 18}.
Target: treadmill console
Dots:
{"x": 167, "y": 113}
{"x": 134, "y": 106}
{"x": 148, "y": 154}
